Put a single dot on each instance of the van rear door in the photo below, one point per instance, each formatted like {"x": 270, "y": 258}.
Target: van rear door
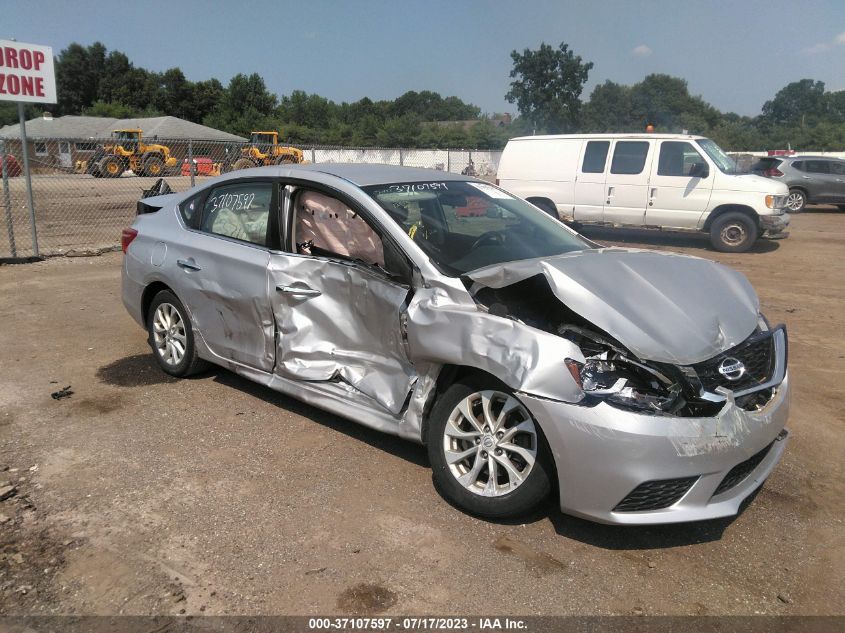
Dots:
{"x": 626, "y": 185}
{"x": 589, "y": 183}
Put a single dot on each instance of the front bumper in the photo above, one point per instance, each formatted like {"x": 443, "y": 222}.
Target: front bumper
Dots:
{"x": 603, "y": 453}
{"x": 772, "y": 225}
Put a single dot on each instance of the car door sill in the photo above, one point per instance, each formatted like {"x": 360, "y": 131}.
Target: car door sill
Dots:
{"x": 336, "y": 397}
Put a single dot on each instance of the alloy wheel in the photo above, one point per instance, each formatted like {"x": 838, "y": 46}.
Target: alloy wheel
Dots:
{"x": 169, "y": 334}
{"x": 490, "y": 443}
{"x": 794, "y": 202}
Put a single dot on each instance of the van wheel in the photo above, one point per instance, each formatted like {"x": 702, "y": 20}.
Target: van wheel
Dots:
{"x": 547, "y": 207}
{"x": 733, "y": 233}
{"x": 487, "y": 454}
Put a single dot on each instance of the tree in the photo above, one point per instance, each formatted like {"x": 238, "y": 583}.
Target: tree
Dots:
{"x": 799, "y": 103}
{"x": 548, "y": 84}
{"x": 609, "y": 109}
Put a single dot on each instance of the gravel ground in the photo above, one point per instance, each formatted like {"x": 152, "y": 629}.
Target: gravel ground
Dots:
{"x": 141, "y": 494}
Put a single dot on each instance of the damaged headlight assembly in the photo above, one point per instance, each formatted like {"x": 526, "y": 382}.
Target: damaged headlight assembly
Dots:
{"x": 610, "y": 375}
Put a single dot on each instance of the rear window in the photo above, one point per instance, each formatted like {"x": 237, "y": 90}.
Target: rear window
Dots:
{"x": 766, "y": 163}
{"x": 595, "y": 157}
{"x": 629, "y": 157}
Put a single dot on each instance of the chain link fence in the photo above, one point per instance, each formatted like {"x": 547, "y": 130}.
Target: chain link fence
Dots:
{"x": 85, "y": 190}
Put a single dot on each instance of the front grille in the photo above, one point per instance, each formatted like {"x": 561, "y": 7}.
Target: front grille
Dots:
{"x": 756, "y": 353}
{"x": 739, "y": 472}
{"x": 655, "y": 495}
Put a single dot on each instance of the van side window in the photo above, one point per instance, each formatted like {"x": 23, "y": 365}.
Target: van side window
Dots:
{"x": 677, "y": 158}
{"x": 595, "y": 157}
{"x": 629, "y": 157}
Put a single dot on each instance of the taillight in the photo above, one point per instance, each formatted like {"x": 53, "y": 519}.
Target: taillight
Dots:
{"x": 773, "y": 173}
{"x": 126, "y": 238}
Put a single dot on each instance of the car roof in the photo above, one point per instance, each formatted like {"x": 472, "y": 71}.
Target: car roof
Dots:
{"x": 808, "y": 157}
{"x": 365, "y": 174}
{"x": 360, "y": 174}
{"x": 624, "y": 135}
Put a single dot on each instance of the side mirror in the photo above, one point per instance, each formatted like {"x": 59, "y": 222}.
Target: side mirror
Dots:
{"x": 699, "y": 170}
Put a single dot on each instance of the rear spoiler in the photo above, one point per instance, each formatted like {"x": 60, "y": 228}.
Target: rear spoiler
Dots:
{"x": 160, "y": 188}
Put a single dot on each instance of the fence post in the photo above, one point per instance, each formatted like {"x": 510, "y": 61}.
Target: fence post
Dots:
{"x": 191, "y": 161}
{"x": 27, "y": 175}
{"x": 313, "y": 156}
{"x": 7, "y": 200}
{"x": 401, "y": 158}
{"x": 448, "y": 159}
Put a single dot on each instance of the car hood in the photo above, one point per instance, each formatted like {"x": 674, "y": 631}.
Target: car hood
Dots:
{"x": 663, "y": 307}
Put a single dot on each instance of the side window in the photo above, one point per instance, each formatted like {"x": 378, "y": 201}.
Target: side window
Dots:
{"x": 818, "y": 166}
{"x": 326, "y": 226}
{"x": 595, "y": 157}
{"x": 190, "y": 210}
{"x": 799, "y": 165}
{"x": 837, "y": 168}
{"x": 629, "y": 157}
{"x": 239, "y": 211}
{"x": 677, "y": 158}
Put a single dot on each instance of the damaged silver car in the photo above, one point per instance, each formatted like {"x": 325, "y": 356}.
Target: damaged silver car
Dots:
{"x": 641, "y": 387}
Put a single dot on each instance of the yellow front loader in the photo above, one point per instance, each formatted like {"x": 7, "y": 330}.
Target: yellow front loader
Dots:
{"x": 264, "y": 149}
{"x": 128, "y": 151}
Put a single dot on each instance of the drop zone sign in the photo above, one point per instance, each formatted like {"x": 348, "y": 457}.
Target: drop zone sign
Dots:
{"x": 26, "y": 73}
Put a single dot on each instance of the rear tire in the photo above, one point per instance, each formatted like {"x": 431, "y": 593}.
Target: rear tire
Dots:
{"x": 153, "y": 166}
{"x": 171, "y": 336}
{"x": 463, "y": 450}
{"x": 733, "y": 232}
{"x": 796, "y": 201}
{"x": 547, "y": 207}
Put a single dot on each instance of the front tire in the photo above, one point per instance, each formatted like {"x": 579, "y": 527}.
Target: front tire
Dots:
{"x": 171, "y": 336}
{"x": 487, "y": 453}
{"x": 796, "y": 201}
{"x": 242, "y": 163}
{"x": 733, "y": 232}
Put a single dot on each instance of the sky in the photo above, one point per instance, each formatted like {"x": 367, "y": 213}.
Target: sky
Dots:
{"x": 736, "y": 55}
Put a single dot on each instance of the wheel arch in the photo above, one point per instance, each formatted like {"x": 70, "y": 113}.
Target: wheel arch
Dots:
{"x": 149, "y": 294}
{"x": 728, "y": 208}
{"x": 542, "y": 201}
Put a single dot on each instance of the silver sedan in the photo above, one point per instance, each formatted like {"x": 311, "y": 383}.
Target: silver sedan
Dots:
{"x": 642, "y": 387}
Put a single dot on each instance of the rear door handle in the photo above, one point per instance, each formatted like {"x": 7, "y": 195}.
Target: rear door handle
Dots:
{"x": 187, "y": 264}
{"x": 298, "y": 290}
{"x": 609, "y": 194}
{"x": 652, "y": 194}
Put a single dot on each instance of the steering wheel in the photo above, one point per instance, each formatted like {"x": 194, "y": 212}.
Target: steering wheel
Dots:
{"x": 494, "y": 237}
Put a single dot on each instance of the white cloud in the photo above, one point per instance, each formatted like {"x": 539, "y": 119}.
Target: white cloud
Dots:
{"x": 644, "y": 51}
{"x": 821, "y": 47}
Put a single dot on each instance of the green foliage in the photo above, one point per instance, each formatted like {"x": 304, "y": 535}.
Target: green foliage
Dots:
{"x": 547, "y": 86}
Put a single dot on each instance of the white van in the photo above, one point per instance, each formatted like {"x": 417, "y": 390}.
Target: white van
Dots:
{"x": 672, "y": 182}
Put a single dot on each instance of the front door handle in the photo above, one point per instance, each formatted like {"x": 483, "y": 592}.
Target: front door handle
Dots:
{"x": 609, "y": 194}
{"x": 188, "y": 264}
{"x": 651, "y": 196}
{"x": 298, "y": 290}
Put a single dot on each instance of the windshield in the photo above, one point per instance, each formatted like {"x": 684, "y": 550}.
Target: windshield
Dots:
{"x": 262, "y": 138}
{"x": 718, "y": 156}
{"x": 467, "y": 225}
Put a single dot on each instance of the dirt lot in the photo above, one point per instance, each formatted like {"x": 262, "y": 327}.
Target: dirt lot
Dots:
{"x": 141, "y": 494}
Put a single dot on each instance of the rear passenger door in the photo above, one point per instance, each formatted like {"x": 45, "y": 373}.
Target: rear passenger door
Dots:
{"x": 219, "y": 269}
{"x": 837, "y": 172}
{"x": 626, "y": 185}
{"x": 590, "y": 181}
{"x": 817, "y": 180}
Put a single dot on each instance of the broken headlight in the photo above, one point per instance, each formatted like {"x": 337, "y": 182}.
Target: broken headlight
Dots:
{"x": 609, "y": 375}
